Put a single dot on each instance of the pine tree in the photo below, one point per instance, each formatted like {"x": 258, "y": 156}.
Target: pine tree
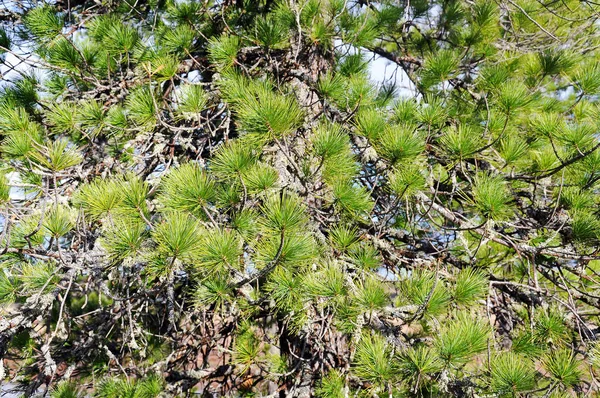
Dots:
{"x": 228, "y": 198}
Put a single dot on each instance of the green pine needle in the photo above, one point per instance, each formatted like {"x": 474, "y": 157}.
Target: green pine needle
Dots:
{"x": 65, "y": 389}
{"x": 215, "y": 291}
{"x": 179, "y": 41}
{"x": 219, "y": 251}
{"x": 10, "y": 287}
{"x": 332, "y": 385}
{"x": 407, "y": 180}
{"x": 4, "y": 188}
{"x": 422, "y": 289}
{"x": 370, "y": 123}
{"x": 124, "y": 240}
{"x": 353, "y": 200}
{"x": 462, "y": 338}
{"x": 373, "y": 361}
{"x": 143, "y": 107}
{"x": 37, "y": 276}
{"x": 471, "y": 286}
{"x": 563, "y": 367}
{"x": 284, "y": 213}
{"x": 491, "y": 197}
{"x": 91, "y": 117}
{"x": 329, "y": 282}
{"x": 260, "y": 178}
{"x": 512, "y": 374}
{"x": 371, "y": 294}
{"x": 439, "y": 68}
{"x": 223, "y": 51}
{"x": 57, "y": 156}
{"x": 365, "y": 256}
{"x": 551, "y": 327}
{"x": 287, "y": 290}
{"x": 233, "y": 159}
{"x": 100, "y": 198}
{"x": 187, "y": 188}
{"x": 44, "y": 22}
{"x": 329, "y": 140}
{"x": 269, "y": 33}
{"x": 192, "y": 101}
{"x": 418, "y": 362}
{"x": 461, "y": 142}
{"x": 59, "y": 221}
{"x": 246, "y": 349}
{"x": 399, "y": 144}
{"x": 299, "y": 249}
{"x": 178, "y": 236}
{"x": 343, "y": 237}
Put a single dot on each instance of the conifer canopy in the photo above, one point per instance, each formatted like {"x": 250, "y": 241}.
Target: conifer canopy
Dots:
{"x": 300, "y": 198}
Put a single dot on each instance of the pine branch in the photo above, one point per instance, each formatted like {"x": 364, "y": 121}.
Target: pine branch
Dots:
{"x": 267, "y": 269}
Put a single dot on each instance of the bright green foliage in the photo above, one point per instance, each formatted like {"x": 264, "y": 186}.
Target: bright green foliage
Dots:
{"x": 407, "y": 180}
{"x": 491, "y": 197}
{"x": 351, "y": 199}
{"x": 246, "y": 348}
{"x": 285, "y": 290}
{"x": 471, "y": 285}
{"x": 9, "y": 288}
{"x": 63, "y": 117}
{"x": 284, "y": 214}
{"x": 58, "y": 221}
{"x": 439, "y": 68}
{"x": 329, "y": 141}
{"x": 220, "y": 251}
{"x": 38, "y": 278}
{"x": 551, "y": 328}
{"x": 142, "y": 106}
{"x": 300, "y": 198}
{"x": 179, "y": 41}
{"x": 419, "y": 363}
{"x": 373, "y": 361}
{"x": 4, "y": 189}
{"x": 214, "y": 291}
{"x": 563, "y": 367}
{"x": 27, "y": 232}
{"x": 135, "y": 192}
{"x": 461, "y": 339}
{"x": 100, "y": 198}
{"x": 328, "y": 282}
{"x": 263, "y": 113}
{"x": 371, "y": 295}
{"x": 233, "y": 159}
{"x": 332, "y": 385}
{"x": 192, "y": 101}
{"x": 116, "y": 36}
{"x": 425, "y": 289}
{"x": 343, "y": 237}
{"x": 512, "y": 374}
{"x": 365, "y": 256}
{"x": 188, "y": 188}
{"x": 260, "y": 178}
{"x": 91, "y": 118}
{"x": 65, "y": 390}
{"x": 124, "y": 240}
{"x": 461, "y": 142}
{"x": 178, "y": 236}
{"x": 44, "y": 22}
{"x": 398, "y": 143}
{"x": 149, "y": 387}
{"x": 57, "y": 156}
{"x": 223, "y": 51}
